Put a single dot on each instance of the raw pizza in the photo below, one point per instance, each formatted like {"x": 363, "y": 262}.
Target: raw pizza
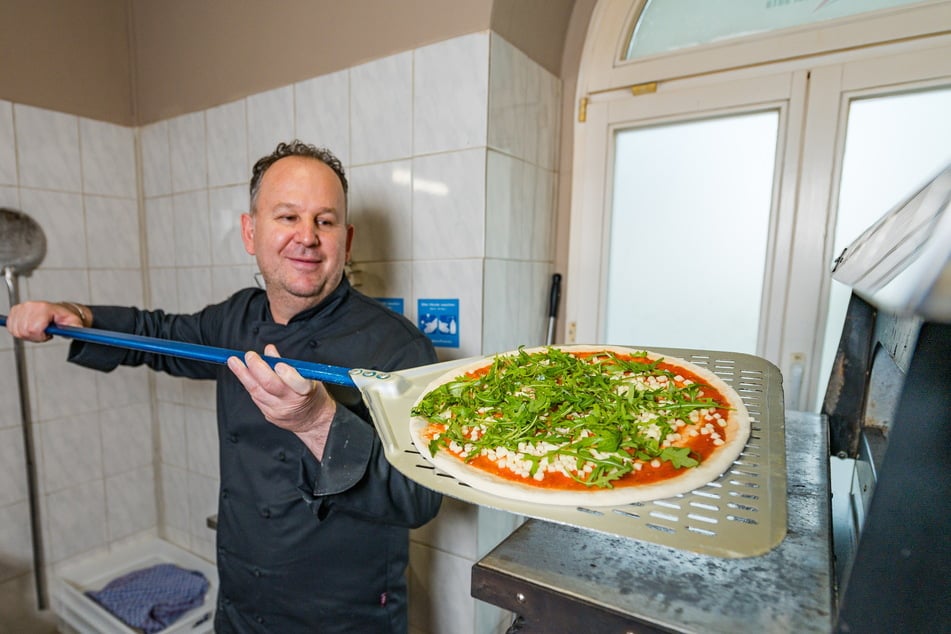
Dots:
{"x": 581, "y": 425}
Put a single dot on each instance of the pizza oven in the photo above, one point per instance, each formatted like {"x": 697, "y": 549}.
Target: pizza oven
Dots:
{"x": 828, "y": 522}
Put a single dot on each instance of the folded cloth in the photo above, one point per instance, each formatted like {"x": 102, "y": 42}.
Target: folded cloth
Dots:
{"x": 152, "y": 598}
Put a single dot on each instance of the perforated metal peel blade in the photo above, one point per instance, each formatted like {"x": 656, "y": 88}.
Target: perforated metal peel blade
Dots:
{"x": 740, "y": 514}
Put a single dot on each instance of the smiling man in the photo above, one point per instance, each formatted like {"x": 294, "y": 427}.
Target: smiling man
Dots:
{"x": 312, "y": 520}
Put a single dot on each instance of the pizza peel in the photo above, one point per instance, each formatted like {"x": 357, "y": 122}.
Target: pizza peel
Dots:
{"x": 742, "y": 514}
{"x": 388, "y": 395}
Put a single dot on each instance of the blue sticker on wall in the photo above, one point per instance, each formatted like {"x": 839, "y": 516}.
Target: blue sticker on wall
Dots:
{"x": 393, "y": 303}
{"x": 439, "y": 320}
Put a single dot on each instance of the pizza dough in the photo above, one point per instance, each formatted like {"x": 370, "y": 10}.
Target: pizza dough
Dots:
{"x": 728, "y": 422}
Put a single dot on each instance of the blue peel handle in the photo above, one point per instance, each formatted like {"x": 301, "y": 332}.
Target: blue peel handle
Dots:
{"x": 195, "y": 352}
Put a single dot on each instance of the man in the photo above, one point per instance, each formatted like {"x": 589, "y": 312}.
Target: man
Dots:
{"x": 312, "y": 520}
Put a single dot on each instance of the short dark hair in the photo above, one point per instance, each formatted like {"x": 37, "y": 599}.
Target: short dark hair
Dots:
{"x": 296, "y": 148}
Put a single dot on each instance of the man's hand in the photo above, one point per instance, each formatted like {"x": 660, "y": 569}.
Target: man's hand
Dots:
{"x": 30, "y": 319}
{"x": 287, "y": 399}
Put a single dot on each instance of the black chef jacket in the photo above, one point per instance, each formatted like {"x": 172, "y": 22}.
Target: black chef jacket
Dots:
{"x": 303, "y": 545}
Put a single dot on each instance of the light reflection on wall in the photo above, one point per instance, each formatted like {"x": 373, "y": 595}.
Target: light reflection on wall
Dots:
{"x": 436, "y": 188}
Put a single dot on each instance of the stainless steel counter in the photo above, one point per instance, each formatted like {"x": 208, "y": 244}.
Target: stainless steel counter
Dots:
{"x": 567, "y": 579}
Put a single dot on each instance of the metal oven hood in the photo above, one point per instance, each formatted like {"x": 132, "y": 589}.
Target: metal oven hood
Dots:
{"x": 902, "y": 263}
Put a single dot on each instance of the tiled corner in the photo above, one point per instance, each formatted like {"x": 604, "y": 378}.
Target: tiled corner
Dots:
{"x": 108, "y": 158}
{"x": 510, "y": 205}
{"x": 450, "y": 92}
{"x": 322, "y": 113}
{"x": 381, "y": 199}
{"x": 381, "y": 110}
{"x": 156, "y": 159}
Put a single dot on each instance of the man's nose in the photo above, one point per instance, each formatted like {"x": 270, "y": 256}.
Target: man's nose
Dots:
{"x": 308, "y": 235}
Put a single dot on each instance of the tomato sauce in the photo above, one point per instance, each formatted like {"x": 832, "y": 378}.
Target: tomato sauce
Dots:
{"x": 700, "y": 446}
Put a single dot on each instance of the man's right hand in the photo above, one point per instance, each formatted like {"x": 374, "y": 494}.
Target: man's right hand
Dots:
{"x": 30, "y": 319}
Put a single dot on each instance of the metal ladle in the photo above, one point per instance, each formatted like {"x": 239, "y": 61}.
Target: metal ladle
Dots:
{"x": 22, "y": 249}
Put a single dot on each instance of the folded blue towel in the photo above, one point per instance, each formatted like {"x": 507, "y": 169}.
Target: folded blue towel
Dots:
{"x": 152, "y": 598}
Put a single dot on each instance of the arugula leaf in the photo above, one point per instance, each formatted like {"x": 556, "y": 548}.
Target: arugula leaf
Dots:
{"x": 679, "y": 457}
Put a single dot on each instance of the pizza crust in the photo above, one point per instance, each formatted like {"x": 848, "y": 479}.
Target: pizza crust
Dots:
{"x": 737, "y": 432}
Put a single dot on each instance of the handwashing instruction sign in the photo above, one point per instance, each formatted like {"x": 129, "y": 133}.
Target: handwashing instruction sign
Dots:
{"x": 439, "y": 320}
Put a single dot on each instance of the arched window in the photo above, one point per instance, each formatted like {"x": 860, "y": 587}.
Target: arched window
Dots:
{"x": 712, "y": 183}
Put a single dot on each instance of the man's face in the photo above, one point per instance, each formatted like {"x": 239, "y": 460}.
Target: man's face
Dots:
{"x": 298, "y": 233}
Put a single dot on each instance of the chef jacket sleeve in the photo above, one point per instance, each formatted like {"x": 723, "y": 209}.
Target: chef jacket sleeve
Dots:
{"x": 147, "y": 323}
{"x": 354, "y": 477}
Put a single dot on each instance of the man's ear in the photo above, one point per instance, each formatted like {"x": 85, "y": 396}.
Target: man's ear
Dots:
{"x": 247, "y": 232}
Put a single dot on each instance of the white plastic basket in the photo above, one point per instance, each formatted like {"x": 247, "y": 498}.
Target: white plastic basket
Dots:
{"x": 77, "y": 613}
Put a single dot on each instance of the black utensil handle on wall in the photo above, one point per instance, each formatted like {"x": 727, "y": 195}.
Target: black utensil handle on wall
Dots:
{"x": 554, "y": 297}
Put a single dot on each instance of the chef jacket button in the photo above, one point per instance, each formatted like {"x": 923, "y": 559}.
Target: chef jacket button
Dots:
{"x": 312, "y": 343}
{"x": 259, "y": 619}
{"x": 224, "y": 493}
{"x": 257, "y": 573}
{"x": 265, "y": 512}
{"x": 255, "y": 330}
{"x": 233, "y": 437}
{"x": 281, "y": 456}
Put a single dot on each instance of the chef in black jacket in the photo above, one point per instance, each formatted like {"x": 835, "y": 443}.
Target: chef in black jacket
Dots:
{"x": 313, "y": 521}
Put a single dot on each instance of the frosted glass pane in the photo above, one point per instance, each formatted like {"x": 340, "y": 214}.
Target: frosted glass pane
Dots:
{"x": 666, "y": 25}
{"x": 893, "y": 145}
{"x": 688, "y": 236}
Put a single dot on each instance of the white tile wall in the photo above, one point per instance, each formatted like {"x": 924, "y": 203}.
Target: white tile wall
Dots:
{"x": 450, "y": 88}
{"x": 449, "y": 205}
{"x": 108, "y": 159}
{"x": 47, "y": 149}
{"x": 8, "y": 159}
{"x": 270, "y": 121}
{"x": 381, "y": 210}
{"x": 450, "y": 151}
{"x": 186, "y": 143}
{"x": 381, "y": 110}
{"x": 322, "y": 113}
{"x": 227, "y": 144}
